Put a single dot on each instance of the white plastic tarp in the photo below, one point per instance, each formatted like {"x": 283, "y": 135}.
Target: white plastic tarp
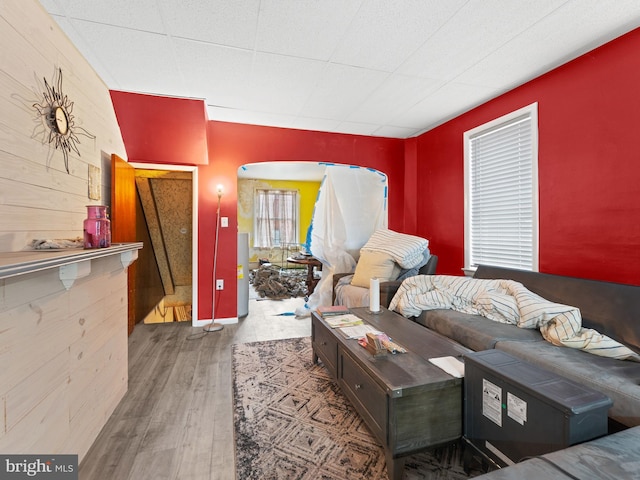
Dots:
{"x": 351, "y": 205}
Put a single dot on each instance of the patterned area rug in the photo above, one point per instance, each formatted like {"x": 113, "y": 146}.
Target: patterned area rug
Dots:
{"x": 292, "y": 422}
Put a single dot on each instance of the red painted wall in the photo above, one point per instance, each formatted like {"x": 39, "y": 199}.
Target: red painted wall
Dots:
{"x": 166, "y": 130}
{"x": 410, "y": 190}
{"x": 159, "y": 129}
{"x": 232, "y": 145}
{"x": 589, "y": 171}
{"x": 589, "y": 167}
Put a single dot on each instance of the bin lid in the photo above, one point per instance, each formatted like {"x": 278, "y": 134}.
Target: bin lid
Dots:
{"x": 549, "y": 387}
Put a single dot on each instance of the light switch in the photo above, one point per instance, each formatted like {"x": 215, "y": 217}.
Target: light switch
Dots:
{"x": 224, "y": 221}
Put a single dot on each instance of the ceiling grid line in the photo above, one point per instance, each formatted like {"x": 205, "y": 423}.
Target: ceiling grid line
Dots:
{"x": 386, "y": 68}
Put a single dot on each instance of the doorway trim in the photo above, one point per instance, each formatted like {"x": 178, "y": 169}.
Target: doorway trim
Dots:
{"x": 194, "y": 225}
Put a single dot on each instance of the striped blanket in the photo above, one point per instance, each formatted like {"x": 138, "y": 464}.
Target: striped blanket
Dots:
{"x": 505, "y": 301}
{"x": 408, "y": 251}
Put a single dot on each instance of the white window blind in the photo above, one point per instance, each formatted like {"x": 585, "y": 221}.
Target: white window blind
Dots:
{"x": 501, "y": 219}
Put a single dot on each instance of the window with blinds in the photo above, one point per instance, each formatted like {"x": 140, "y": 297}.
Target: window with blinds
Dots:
{"x": 501, "y": 185}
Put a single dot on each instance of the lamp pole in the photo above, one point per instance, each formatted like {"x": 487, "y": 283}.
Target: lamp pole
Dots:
{"x": 213, "y": 326}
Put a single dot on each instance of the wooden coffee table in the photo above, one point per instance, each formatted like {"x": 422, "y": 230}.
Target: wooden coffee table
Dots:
{"x": 408, "y": 403}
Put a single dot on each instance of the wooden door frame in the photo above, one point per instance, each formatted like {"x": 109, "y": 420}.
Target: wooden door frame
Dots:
{"x": 194, "y": 226}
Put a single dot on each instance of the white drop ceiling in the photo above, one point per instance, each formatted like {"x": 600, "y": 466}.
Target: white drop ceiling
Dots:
{"x": 390, "y": 68}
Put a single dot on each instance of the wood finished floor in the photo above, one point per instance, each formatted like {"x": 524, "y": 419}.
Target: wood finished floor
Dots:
{"x": 176, "y": 420}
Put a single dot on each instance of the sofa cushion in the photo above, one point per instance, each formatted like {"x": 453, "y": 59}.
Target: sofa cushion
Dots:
{"x": 619, "y": 380}
{"x": 374, "y": 265}
{"x": 474, "y": 331}
{"x": 350, "y": 295}
{"x": 612, "y": 457}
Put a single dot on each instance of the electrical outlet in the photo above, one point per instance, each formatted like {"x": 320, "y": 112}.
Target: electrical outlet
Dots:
{"x": 219, "y": 284}
{"x": 224, "y": 222}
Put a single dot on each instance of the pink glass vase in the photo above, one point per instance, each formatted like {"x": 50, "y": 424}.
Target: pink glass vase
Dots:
{"x": 97, "y": 227}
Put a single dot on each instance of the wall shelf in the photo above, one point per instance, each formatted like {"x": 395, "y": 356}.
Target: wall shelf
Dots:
{"x": 74, "y": 263}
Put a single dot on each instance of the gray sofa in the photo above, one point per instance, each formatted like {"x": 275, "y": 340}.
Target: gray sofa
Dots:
{"x": 387, "y": 289}
{"x": 610, "y": 308}
{"x": 613, "y": 457}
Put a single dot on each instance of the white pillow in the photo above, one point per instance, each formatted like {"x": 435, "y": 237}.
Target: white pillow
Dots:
{"x": 374, "y": 264}
{"x": 406, "y": 250}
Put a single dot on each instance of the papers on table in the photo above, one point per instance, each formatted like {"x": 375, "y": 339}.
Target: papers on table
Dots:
{"x": 358, "y": 331}
{"x": 451, "y": 365}
{"x": 350, "y": 325}
{"x": 347, "y": 320}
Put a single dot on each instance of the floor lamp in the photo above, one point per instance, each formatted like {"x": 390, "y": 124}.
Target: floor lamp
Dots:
{"x": 213, "y": 326}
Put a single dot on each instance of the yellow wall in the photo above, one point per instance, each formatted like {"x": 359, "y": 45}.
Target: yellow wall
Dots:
{"x": 246, "y": 187}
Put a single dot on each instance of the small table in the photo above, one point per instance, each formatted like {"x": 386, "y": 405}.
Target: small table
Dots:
{"x": 310, "y": 262}
{"x": 408, "y": 403}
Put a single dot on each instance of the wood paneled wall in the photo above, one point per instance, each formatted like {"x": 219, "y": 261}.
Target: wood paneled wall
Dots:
{"x": 38, "y": 198}
{"x": 64, "y": 352}
{"x": 65, "y": 357}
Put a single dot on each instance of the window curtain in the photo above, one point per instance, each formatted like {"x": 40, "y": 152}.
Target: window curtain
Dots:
{"x": 276, "y": 218}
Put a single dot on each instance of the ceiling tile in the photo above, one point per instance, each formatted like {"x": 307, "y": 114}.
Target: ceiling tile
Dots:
{"x": 527, "y": 55}
{"x": 392, "y": 68}
{"x": 396, "y": 94}
{"x": 478, "y": 29}
{"x": 383, "y": 34}
{"x": 216, "y": 21}
{"x": 250, "y": 117}
{"x": 316, "y": 124}
{"x": 445, "y": 103}
{"x": 357, "y": 128}
{"x": 157, "y": 73}
{"x": 282, "y": 84}
{"x": 52, "y": 7}
{"x": 81, "y": 44}
{"x": 339, "y": 90}
{"x": 303, "y": 28}
{"x": 139, "y": 14}
{"x": 220, "y": 74}
{"x": 394, "y": 132}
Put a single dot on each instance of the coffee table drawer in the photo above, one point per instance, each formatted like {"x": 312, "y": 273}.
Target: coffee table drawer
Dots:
{"x": 325, "y": 345}
{"x": 369, "y": 399}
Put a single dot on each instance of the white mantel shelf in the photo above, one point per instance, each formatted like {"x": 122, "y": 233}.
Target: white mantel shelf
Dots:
{"x": 73, "y": 262}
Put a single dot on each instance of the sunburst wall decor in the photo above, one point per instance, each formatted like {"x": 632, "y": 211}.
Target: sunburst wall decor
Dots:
{"x": 56, "y": 111}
